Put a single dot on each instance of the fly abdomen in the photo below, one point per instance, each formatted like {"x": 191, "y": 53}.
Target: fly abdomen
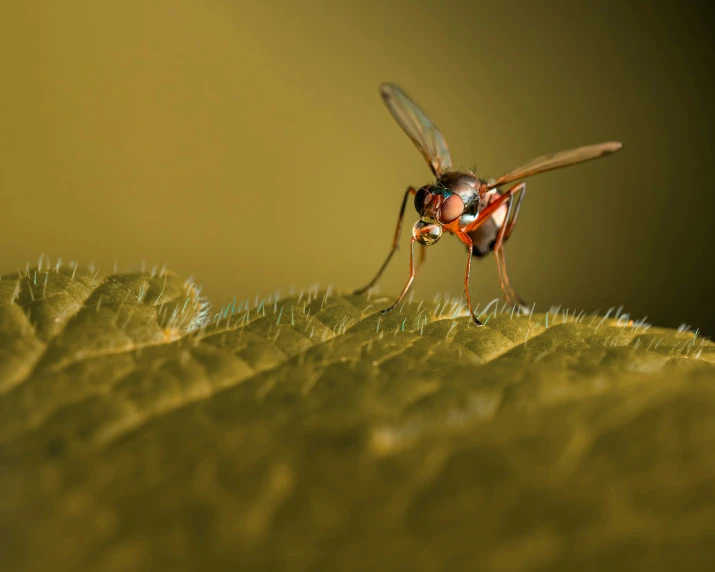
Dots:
{"x": 484, "y": 237}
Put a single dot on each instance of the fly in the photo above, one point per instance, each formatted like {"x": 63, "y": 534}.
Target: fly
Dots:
{"x": 477, "y": 211}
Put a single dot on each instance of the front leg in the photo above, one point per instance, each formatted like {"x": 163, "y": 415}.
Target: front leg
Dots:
{"x": 468, "y": 242}
{"x": 395, "y": 243}
{"x": 413, "y": 271}
{"x": 505, "y": 230}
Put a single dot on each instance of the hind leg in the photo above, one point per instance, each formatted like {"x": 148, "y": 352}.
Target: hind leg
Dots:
{"x": 516, "y": 196}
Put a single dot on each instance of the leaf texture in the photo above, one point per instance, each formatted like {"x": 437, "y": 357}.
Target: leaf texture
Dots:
{"x": 142, "y": 430}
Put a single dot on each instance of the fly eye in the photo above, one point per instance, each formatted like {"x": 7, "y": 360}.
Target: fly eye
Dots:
{"x": 422, "y": 198}
{"x": 452, "y": 209}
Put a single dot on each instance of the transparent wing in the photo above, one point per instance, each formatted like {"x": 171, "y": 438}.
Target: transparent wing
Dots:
{"x": 557, "y": 160}
{"x": 418, "y": 126}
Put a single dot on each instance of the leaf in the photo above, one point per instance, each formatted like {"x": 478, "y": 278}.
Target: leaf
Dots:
{"x": 142, "y": 430}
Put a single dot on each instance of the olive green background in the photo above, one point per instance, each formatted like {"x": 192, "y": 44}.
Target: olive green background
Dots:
{"x": 245, "y": 142}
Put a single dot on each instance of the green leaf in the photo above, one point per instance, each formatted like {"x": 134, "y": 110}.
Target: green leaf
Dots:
{"x": 142, "y": 430}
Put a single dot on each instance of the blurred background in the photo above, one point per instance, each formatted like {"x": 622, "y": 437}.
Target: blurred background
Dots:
{"x": 245, "y": 143}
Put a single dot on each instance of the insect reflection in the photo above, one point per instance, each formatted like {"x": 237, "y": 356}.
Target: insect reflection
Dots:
{"x": 477, "y": 211}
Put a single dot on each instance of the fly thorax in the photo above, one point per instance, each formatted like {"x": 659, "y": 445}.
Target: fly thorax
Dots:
{"x": 464, "y": 184}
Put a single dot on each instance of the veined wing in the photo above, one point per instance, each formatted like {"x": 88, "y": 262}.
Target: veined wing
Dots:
{"x": 418, "y": 126}
{"x": 556, "y": 161}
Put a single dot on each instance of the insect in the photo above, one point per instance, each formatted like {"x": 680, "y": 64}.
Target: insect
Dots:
{"x": 477, "y": 211}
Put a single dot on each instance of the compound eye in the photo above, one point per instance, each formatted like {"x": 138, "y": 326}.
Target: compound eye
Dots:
{"x": 452, "y": 209}
{"x": 422, "y": 198}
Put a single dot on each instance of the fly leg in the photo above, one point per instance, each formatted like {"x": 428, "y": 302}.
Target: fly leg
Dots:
{"x": 395, "y": 243}
{"x": 468, "y": 242}
{"x": 413, "y": 271}
{"x": 420, "y": 262}
{"x": 507, "y": 227}
{"x": 515, "y": 197}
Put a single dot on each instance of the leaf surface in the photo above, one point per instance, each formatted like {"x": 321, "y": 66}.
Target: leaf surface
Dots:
{"x": 142, "y": 430}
